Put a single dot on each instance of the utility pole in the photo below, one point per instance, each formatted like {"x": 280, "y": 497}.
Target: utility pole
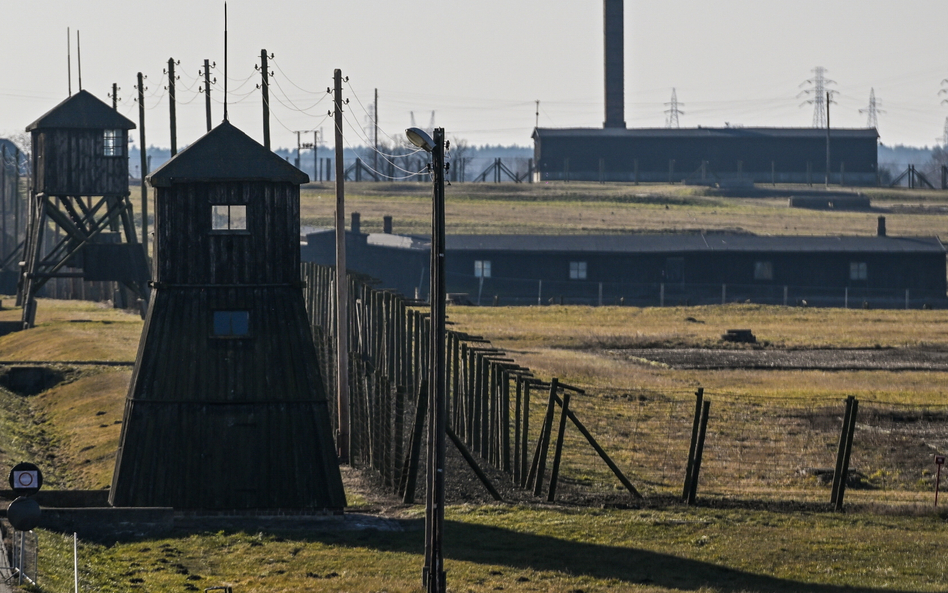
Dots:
{"x": 114, "y": 96}
{"x": 342, "y": 281}
{"x": 171, "y": 105}
{"x": 827, "y": 139}
{"x": 375, "y": 161}
{"x": 4, "y": 201}
{"x": 16, "y": 195}
{"x": 298, "y": 147}
{"x": 316, "y": 155}
{"x": 144, "y": 160}
{"x": 537, "y": 124}
{"x": 69, "y": 59}
{"x": 207, "y": 90}
{"x": 437, "y": 381}
{"x": 265, "y": 92}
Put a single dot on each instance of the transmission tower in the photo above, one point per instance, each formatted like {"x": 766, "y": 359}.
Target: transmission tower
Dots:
{"x": 872, "y": 110}
{"x": 673, "y": 111}
{"x": 818, "y": 92}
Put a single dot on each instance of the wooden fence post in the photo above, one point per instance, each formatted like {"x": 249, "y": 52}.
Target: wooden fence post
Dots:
{"x": 848, "y": 434}
{"x": 539, "y": 456}
{"x": 558, "y": 454}
{"x": 841, "y": 449}
{"x": 410, "y": 468}
{"x": 699, "y": 396}
{"x": 699, "y": 452}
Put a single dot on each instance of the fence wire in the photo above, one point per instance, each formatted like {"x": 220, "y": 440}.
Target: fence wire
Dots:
{"x": 757, "y": 449}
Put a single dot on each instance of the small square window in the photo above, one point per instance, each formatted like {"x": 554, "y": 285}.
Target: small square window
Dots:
{"x": 229, "y": 217}
{"x": 482, "y": 268}
{"x": 112, "y": 143}
{"x": 858, "y": 271}
{"x": 763, "y": 270}
{"x": 231, "y": 324}
{"x": 577, "y": 270}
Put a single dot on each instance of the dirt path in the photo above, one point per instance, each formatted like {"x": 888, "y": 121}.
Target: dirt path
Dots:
{"x": 883, "y": 359}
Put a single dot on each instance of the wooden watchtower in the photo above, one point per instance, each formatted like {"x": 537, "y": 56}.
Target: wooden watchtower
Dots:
{"x": 226, "y": 409}
{"x": 80, "y": 185}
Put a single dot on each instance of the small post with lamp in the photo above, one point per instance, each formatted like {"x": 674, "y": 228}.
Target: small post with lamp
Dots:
{"x": 433, "y": 575}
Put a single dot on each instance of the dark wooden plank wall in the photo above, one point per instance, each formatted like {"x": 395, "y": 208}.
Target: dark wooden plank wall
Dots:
{"x": 196, "y": 402}
{"x": 71, "y": 162}
{"x": 267, "y": 254}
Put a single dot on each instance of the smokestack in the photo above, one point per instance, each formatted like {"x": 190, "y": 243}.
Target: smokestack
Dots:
{"x": 614, "y": 64}
{"x": 356, "y": 223}
{"x": 387, "y": 225}
{"x": 880, "y": 230}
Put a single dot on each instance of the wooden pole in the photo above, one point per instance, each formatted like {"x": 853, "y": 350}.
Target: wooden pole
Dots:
{"x": 172, "y": 115}
{"x": 699, "y": 396}
{"x": 466, "y": 453}
{"x": 342, "y": 293}
{"x": 558, "y": 453}
{"x": 602, "y": 453}
{"x": 436, "y": 412}
{"x": 841, "y": 450}
{"x": 543, "y": 444}
{"x": 375, "y": 125}
{"x": 4, "y": 201}
{"x": 699, "y": 452}
{"x": 207, "y": 93}
{"x": 265, "y": 93}
{"x": 410, "y": 467}
{"x": 827, "y": 140}
{"x": 144, "y": 161}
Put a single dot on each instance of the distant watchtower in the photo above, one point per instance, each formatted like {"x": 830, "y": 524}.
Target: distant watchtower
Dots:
{"x": 226, "y": 409}
{"x": 80, "y": 184}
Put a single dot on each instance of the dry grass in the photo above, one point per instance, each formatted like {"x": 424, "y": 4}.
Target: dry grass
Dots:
{"x": 615, "y": 208}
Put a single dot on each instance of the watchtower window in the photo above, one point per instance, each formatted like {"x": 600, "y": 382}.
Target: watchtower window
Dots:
{"x": 229, "y": 217}
{"x": 231, "y": 324}
{"x": 112, "y": 143}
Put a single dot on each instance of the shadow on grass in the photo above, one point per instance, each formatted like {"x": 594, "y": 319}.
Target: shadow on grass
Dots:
{"x": 493, "y": 545}
{"x": 496, "y": 546}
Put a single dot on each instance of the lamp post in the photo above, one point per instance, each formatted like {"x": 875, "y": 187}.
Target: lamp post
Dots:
{"x": 433, "y": 575}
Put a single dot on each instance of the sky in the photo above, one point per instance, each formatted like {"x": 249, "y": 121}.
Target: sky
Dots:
{"x": 480, "y": 66}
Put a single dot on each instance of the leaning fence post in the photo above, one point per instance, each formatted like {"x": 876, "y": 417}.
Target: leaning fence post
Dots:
{"x": 699, "y": 396}
{"x": 841, "y": 450}
{"x": 850, "y": 432}
{"x": 699, "y": 452}
{"x": 558, "y": 453}
{"x": 543, "y": 443}
{"x": 410, "y": 469}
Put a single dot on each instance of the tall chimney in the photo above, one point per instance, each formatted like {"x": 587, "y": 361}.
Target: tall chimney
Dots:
{"x": 356, "y": 223}
{"x": 614, "y": 64}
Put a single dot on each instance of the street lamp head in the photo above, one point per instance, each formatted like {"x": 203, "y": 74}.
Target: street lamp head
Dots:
{"x": 420, "y": 138}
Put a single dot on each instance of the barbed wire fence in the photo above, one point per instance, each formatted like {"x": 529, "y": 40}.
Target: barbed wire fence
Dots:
{"x": 756, "y": 448}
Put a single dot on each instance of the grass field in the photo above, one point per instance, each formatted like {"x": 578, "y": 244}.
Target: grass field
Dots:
{"x": 767, "y": 530}
{"x": 615, "y": 208}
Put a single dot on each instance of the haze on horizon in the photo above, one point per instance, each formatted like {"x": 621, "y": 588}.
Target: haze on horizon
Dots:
{"x": 481, "y": 66}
